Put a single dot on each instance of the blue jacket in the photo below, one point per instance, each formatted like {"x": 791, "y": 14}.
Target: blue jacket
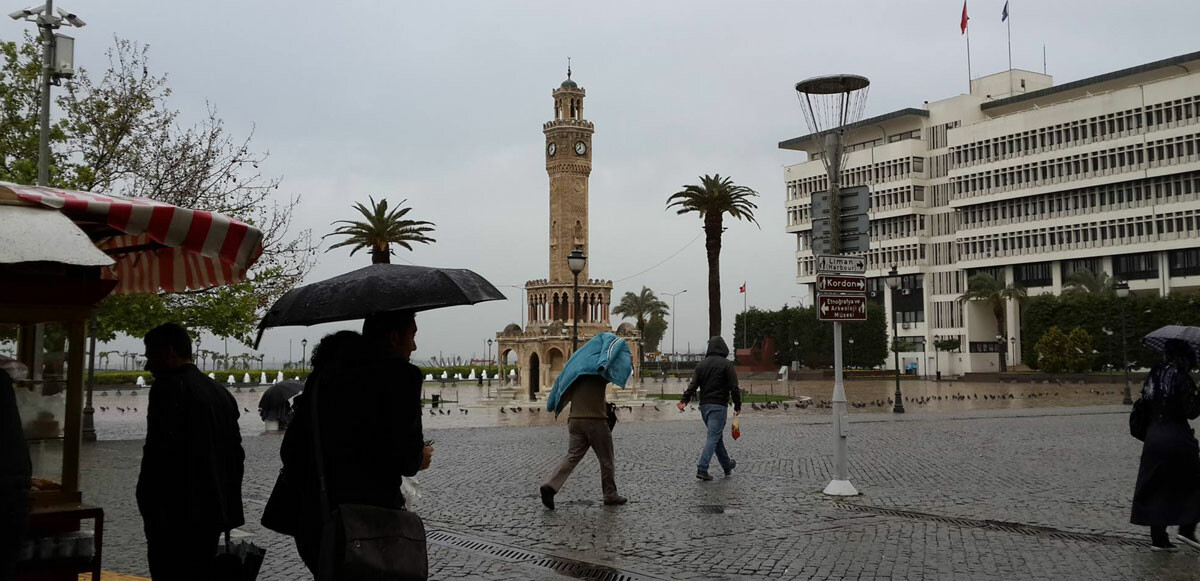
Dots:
{"x": 605, "y": 355}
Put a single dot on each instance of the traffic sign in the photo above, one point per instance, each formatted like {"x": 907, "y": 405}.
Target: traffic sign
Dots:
{"x": 841, "y": 308}
{"x": 841, "y": 284}
{"x": 841, "y": 264}
{"x": 853, "y": 222}
{"x": 852, "y": 200}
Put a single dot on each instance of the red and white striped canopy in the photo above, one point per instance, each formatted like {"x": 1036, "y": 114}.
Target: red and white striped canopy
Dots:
{"x": 156, "y": 246}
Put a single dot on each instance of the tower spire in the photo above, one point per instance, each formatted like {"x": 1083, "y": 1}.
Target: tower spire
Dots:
{"x": 568, "y": 67}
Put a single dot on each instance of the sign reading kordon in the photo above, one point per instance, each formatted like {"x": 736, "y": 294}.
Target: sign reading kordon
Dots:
{"x": 847, "y": 264}
{"x": 828, "y": 283}
{"x": 841, "y": 308}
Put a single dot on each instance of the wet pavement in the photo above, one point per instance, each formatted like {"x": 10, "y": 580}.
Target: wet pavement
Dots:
{"x": 468, "y": 406}
{"x": 1029, "y": 492}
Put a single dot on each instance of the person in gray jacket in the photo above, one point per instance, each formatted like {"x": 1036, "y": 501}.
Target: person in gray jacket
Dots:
{"x": 718, "y": 384}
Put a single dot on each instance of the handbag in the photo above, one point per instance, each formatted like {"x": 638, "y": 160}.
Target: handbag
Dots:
{"x": 362, "y": 542}
{"x": 282, "y": 512}
{"x": 612, "y": 416}
{"x": 735, "y": 430}
{"x": 238, "y": 561}
{"x": 1139, "y": 419}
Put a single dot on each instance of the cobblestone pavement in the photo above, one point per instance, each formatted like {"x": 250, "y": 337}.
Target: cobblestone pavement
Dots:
{"x": 988, "y": 494}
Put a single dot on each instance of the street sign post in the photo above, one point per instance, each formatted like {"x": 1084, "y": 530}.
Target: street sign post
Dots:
{"x": 829, "y": 283}
{"x": 852, "y": 226}
{"x": 831, "y": 264}
{"x": 841, "y": 308}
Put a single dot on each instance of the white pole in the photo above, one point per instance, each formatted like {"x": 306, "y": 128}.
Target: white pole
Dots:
{"x": 840, "y": 485}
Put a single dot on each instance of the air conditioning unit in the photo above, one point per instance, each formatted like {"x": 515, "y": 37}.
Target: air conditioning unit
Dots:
{"x": 903, "y": 325}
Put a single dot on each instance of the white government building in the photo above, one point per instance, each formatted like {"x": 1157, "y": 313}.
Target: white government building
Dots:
{"x": 1028, "y": 183}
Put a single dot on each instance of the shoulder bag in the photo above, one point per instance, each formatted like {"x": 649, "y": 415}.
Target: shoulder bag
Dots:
{"x": 363, "y": 542}
{"x": 1139, "y": 419}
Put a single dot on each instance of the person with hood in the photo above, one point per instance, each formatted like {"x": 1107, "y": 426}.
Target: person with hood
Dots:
{"x": 717, "y": 383}
{"x": 1168, "y": 484}
{"x": 190, "y": 486}
{"x": 584, "y": 383}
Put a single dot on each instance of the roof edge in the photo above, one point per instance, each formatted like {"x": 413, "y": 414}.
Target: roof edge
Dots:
{"x": 1103, "y": 78}
{"x": 795, "y": 142}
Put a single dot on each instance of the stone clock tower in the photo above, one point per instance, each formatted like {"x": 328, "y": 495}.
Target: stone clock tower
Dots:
{"x": 569, "y": 163}
{"x": 543, "y": 346}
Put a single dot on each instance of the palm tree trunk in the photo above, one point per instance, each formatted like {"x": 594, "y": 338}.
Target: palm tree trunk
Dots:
{"x": 712, "y": 244}
{"x": 381, "y": 256}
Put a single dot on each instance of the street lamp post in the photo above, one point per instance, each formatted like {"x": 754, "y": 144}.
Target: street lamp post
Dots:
{"x": 1000, "y": 349}
{"x": 576, "y": 261}
{"x": 674, "y": 354}
{"x": 489, "y": 361}
{"x": 1122, "y": 289}
{"x": 521, "y": 306}
{"x": 893, "y": 283}
{"x": 850, "y": 363}
{"x": 303, "y": 354}
{"x": 1012, "y": 348}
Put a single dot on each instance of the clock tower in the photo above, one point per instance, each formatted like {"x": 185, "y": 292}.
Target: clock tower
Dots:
{"x": 553, "y": 305}
{"x": 569, "y": 163}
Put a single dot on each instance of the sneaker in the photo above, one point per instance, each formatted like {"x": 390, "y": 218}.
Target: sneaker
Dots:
{"x": 732, "y": 465}
{"x": 1166, "y": 547}
{"x": 548, "y": 496}
{"x": 1191, "y": 541}
{"x": 703, "y": 476}
{"x": 618, "y": 501}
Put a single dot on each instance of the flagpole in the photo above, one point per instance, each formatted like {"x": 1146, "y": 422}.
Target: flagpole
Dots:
{"x": 968, "y": 59}
{"x": 1008, "y": 19}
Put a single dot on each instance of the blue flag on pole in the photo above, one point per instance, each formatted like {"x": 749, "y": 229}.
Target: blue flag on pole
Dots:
{"x": 1004, "y": 14}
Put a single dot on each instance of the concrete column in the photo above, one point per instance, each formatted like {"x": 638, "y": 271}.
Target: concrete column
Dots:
{"x": 1056, "y": 277}
{"x": 1164, "y": 273}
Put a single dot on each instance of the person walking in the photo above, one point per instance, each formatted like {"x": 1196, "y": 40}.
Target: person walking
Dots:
{"x": 369, "y": 408}
{"x": 717, "y": 383}
{"x": 584, "y": 384}
{"x": 1168, "y": 482}
{"x": 190, "y": 486}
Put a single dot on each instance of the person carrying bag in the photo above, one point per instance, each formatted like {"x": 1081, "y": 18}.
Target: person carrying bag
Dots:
{"x": 364, "y": 542}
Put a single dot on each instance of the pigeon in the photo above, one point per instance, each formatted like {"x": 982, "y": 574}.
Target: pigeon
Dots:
{"x": 135, "y": 410}
{"x": 247, "y": 410}
{"x": 120, "y": 409}
{"x": 501, "y": 410}
{"x": 655, "y": 408}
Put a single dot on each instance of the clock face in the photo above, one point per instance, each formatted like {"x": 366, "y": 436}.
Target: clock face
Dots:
{"x": 580, "y": 148}
{"x": 550, "y": 149}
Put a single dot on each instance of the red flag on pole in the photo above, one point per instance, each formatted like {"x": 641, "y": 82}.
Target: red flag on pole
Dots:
{"x": 963, "y": 25}
{"x": 742, "y": 288}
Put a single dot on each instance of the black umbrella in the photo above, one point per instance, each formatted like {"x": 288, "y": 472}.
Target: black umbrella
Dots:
{"x": 376, "y": 289}
{"x": 1157, "y": 339}
{"x": 276, "y": 401}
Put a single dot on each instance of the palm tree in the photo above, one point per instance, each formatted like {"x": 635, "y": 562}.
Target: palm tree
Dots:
{"x": 987, "y": 288}
{"x": 381, "y": 229}
{"x": 1084, "y": 281}
{"x": 641, "y": 307}
{"x": 712, "y": 199}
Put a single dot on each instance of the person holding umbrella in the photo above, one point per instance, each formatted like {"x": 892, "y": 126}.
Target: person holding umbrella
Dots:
{"x": 1168, "y": 484}
{"x": 583, "y": 382}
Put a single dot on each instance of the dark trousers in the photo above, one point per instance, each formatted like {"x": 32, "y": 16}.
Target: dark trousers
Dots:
{"x": 180, "y": 551}
{"x": 594, "y": 434}
{"x": 1159, "y": 536}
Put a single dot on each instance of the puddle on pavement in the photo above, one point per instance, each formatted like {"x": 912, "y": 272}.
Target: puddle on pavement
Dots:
{"x": 468, "y": 406}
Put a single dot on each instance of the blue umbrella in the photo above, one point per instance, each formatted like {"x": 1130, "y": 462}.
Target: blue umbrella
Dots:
{"x": 1157, "y": 340}
{"x": 606, "y": 355}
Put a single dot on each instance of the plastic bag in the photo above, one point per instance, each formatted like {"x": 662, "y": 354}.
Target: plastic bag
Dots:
{"x": 735, "y": 430}
{"x": 410, "y": 488}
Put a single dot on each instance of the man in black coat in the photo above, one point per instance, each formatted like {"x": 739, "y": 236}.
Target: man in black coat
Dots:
{"x": 15, "y": 471}
{"x": 717, "y": 383}
{"x": 190, "y": 487}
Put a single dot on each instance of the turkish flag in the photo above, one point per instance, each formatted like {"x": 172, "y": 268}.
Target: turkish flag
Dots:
{"x": 742, "y": 288}
{"x": 963, "y": 25}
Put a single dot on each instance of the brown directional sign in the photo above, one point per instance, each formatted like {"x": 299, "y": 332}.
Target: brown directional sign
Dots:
{"x": 841, "y": 308}
{"x": 827, "y": 283}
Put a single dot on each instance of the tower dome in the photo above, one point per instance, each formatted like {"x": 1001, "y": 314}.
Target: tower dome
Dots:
{"x": 568, "y": 84}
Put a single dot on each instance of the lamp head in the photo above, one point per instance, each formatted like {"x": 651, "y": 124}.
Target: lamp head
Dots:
{"x": 893, "y": 278}
{"x": 1122, "y": 288}
{"x": 576, "y": 261}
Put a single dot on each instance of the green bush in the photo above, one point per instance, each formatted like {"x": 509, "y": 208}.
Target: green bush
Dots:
{"x": 1059, "y": 352}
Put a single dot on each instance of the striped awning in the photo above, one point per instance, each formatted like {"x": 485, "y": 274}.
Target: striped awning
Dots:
{"x": 156, "y": 246}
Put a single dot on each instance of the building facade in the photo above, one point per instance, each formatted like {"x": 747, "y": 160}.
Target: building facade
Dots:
{"x": 1025, "y": 180}
{"x": 543, "y": 345}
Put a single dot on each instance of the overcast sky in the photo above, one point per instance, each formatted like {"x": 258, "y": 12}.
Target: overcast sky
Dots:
{"x": 442, "y": 103}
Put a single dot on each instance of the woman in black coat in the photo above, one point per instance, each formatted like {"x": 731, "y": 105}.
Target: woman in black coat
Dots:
{"x": 1168, "y": 483}
{"x": 369, "y": 409}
